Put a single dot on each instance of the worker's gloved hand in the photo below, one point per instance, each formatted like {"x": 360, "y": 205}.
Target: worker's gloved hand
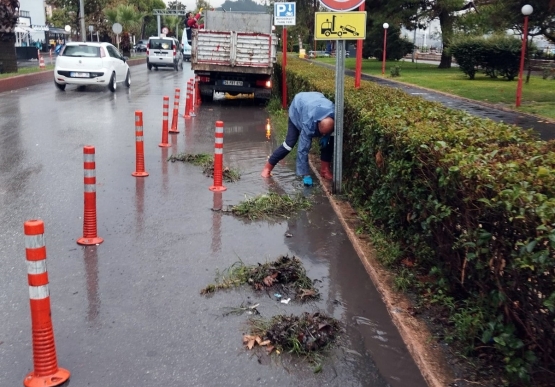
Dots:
{"x": 324, "y": 141}
{"x": 307, "y": 181}
{"x": 200, "y": 11}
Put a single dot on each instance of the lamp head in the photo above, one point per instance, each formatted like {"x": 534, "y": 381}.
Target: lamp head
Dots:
{"x": 527, "y": 10}
{"x": 386, "y": 26}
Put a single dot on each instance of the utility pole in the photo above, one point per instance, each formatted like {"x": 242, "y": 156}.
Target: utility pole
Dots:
{"x": 82, "y": 19}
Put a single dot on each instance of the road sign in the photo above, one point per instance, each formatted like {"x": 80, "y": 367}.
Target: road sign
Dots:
{"x": 165, "y": 30}
{"x": 340, "y": 25}
{"x": 117, "y": 28}
{"x": 284, "y": 14}
{"x": 341, "y": 5}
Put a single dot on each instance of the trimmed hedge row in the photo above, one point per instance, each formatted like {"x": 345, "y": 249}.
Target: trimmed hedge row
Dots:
{"x": 471, "y": 201}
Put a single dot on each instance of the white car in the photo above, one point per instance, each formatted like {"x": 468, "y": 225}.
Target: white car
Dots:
{"x": 164, "y": 52}
{"x": 91, "y": 63}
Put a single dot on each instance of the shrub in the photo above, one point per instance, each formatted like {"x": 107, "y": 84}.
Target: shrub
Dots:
{"x": 497, "y": 55}
{"x": 471, "y": 202}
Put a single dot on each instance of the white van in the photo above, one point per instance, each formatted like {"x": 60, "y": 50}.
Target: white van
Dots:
{"x": 163, "y": 52}
{"x": 186, "y": 46}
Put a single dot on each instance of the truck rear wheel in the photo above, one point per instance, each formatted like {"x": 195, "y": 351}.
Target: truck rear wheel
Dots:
{"x": 207, "y": 97}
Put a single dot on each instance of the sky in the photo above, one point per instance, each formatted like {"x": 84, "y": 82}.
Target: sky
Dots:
{"x": 191, "y": 4}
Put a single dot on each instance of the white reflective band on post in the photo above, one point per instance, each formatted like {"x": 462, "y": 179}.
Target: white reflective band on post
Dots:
{"x": 137, "y": 118}
{"x": 138, "y": 128}
{"x": 34, "y": 241}
{"x": 286, "y": 146}
{"x": 38, "y": 292}
{"x": 218, "y": 151}
{"x": 219, "y": 130}
{"x": 90, "y": 187}
{"x": 88, "y": 158}
{"x": 219, "y": 140}
{"x": 138, "y": 138}
{"x": 90, "y": 172}
{"x": 36, "y": 267}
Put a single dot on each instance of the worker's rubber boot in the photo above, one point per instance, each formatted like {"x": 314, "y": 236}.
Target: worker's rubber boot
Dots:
{"x": 325, "y": 170}
{"x": 267, "y": 171}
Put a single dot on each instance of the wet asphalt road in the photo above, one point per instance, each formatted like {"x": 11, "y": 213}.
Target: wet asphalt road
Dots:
{"x": 128, "y": 313}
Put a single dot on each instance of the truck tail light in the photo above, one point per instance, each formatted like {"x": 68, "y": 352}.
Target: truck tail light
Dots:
{"x": 147, "y": 48}
{"x": 204, "y": 79}
{"x": 174, "y": 50}
{"x": 264, "y": 83}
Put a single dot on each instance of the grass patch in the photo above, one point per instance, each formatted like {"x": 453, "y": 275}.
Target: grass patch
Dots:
{"x": 26, "y": 70}
{"x": 270, "y": 205}
{"x": 538, "y": 96}
{"x": 307, "y": 335}
{"x": 207, "y": 163}
{"x": 286, "y": 275}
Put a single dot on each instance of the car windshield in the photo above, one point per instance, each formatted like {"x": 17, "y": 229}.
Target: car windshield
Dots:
{"x": 160, "y": 44}
{"x": 82, "y": 50}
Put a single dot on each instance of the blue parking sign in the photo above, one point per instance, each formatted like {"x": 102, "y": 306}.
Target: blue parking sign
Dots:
{"x": 284, "y": 14}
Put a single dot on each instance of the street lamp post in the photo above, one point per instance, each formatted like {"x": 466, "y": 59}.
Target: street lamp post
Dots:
{"x": 385, "y": 27}
{"x": 526, "y": 11}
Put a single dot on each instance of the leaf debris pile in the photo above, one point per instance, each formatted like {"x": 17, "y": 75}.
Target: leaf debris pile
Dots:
{"x": 207, "y": 163}
{"x": 302, "y": 335}
{"x": 286, "y": 273}
{"x": 270, "y": 205}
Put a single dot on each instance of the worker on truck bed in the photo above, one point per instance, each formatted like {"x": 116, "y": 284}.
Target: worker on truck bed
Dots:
{"x": 310, "y": 115}
{"x": 192, "y": 20}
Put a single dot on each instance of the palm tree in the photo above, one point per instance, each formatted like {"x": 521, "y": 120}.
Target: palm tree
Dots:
{"x": 173, "y": 23}
{"x": 130, "y": 20}
{"x": 8, "y": 19}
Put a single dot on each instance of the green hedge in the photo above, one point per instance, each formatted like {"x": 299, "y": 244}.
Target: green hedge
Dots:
{"x": 470, "y": 201}
{"x": 497, "y": 55}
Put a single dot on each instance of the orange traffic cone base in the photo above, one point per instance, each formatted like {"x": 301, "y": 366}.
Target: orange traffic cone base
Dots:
{"x": 87, "y": 242}
{"x": 61, "y": 376}
{"x": 164, "y": 145}
{"x": 217, "y": 189}
{"x": 139, "y": 174}
{"x": 173, "y": 131}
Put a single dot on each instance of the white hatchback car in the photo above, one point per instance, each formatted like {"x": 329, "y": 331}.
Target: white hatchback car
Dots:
{"x": 91, "y": 63}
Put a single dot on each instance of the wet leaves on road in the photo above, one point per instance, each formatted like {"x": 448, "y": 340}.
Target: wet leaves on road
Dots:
{"x": 286, "y": 274}
{"x": 206, "y": 161}
{"x": 307, "y": 335}
{"x": 271, "y": 205}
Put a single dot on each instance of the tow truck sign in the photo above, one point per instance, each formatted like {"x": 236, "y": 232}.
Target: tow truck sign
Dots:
{"x": 340, "y": 25}
{"x": 284, "y": 14}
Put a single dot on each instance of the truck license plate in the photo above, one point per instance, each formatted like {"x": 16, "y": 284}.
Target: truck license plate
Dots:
{"x": 79, "y": 75}
{"x": 233, "y": 83}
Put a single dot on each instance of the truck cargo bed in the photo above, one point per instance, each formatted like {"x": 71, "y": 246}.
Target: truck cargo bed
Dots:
{"x": 232, "y": 51}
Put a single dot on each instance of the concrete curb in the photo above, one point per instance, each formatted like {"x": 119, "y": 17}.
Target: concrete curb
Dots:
{"x": 415, "y": 334}
{"x": 26, "y": 80}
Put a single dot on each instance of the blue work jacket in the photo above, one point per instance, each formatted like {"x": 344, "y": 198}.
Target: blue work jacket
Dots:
{"x": 306, "y": 110}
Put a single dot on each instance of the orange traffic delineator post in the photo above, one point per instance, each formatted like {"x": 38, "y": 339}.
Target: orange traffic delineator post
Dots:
{"x": 45, "y": 363}
{"x": 193, "y": 98}
{"x": 197, "y": 91}
{"x": 188, "y": 101}
{"x": 90, "y": 236}
{"x": 41, "y": 60}
{"x": 218, "y": 158}
{"x": 165, "y": 113}
{"x": 175, "y": 113}
{"x": 139, "y": 146}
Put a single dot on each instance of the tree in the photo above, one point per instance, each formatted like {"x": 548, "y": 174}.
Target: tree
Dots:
{"x": 397, "y": 47}
{"x": 8, "y": 21}
{"x": 130, "y": 20}
{"x": 502, "y": 15}
{"x": 417, "y": 13}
